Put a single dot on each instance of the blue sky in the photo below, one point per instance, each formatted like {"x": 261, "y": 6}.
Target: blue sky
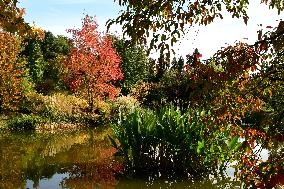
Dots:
{"x": 59, "y": 15}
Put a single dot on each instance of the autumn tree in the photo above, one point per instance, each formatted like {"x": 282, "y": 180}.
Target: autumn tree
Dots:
{"x": 93, "y": 63}
{"x": 266, "y": 119}
{"x": 164, "y": 22}
{"x": 238, "y": 84}
{"x": 11, "y": 72}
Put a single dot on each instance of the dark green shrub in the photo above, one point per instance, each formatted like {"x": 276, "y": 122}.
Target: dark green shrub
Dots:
{"x": 173, "y": 87}
{"x": 24, "y": 122}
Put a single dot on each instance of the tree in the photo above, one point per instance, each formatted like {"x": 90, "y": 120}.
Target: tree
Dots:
{"x": 237, "y": 84}
{"x": 93, "y": 63}
{"x": 36, "y": 62}
{"x": 178, "y": 64}
{"x": 11, "y": 72}
{"x": 44, "y": 56}
{"x": 166, "y": 21}
{"x": 135, "y": 64}
{"x": 54, "y": 50}
{"x": 266, "y": 121}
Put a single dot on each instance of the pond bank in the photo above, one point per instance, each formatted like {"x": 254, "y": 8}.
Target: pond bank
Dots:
{"x": 37, "y": 123}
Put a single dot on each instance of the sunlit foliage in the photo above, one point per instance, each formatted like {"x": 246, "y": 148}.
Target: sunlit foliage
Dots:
{"x": 11, "y": 17}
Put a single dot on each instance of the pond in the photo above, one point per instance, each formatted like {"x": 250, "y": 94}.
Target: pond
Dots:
{"x": 80, "y": 159}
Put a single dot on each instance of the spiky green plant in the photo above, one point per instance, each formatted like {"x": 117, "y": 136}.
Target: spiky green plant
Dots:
{"x": 168, "y": 141}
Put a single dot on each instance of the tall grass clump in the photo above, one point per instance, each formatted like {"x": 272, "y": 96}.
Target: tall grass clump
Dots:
{"x": 166, "y": 142}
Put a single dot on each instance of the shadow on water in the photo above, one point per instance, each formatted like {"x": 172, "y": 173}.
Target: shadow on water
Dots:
{"x": 80, "y": 159}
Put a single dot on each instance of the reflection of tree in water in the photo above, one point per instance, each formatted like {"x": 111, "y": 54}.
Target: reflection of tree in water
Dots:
{"x": 64, "y": 143}
{"x": 92, "y": 175}
{"x": 97, "y": 171}
{"x": 38, "y": 156}
{"x": 10, "y": 166}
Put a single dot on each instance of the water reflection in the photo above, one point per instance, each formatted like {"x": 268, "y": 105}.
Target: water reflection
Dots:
{"x": 56, "y": 160}
{"x": 81, "y": 159}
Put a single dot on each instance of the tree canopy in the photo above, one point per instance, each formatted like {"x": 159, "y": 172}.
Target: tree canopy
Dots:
{"x": 165, "y": 21}
{"x": 11, "y": 17}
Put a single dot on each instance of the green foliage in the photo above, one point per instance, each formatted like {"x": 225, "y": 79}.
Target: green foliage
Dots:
{"x": 55, "y": 49}
{"x": 178, "y": 64}
{"x": 36, "y": 63}
{"x": 135, "y": 63}
{"x": 170, "y": 142}
{"x": 174, "y": 86}
{"x": 24, "y": 122}
{"x": 44, "y": 57}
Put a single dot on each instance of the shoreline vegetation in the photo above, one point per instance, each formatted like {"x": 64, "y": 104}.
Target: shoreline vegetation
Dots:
{"x": 59, "y": 111}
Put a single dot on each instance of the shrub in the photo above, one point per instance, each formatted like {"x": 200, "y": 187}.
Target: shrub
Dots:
{"x": 33, "y": 103}
{"x": 60, "y": 106}
{"x": 168, "y": 142}
{"x": 109, "y": 110}
{"x": 148, "y": 94}
{"x": 57, "y": 107}
{"x": 123, "y": 105}
{"x": 24, "y": 122}
{"x": 173, "y": 87}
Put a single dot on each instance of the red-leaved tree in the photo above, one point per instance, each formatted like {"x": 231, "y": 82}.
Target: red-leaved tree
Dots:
{"x": 93, "y": 63}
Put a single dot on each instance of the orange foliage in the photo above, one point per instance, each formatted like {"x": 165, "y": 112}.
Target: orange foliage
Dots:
{"x": 93, "y": 63}
{"x": 10, "y": 72}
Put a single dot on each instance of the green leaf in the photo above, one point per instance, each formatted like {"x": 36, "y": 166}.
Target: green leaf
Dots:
{"x": 212, "y": 148}
{"x": 233, "y": 142}
{"x": 200, "y": 146}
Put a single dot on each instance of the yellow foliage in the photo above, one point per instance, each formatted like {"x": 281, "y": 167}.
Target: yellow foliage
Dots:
{"x": 57, "y": 104}
{"x": 37, "y": 33}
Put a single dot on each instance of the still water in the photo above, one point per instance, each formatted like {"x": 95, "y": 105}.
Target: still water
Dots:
{"x": 81, "y": 159}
